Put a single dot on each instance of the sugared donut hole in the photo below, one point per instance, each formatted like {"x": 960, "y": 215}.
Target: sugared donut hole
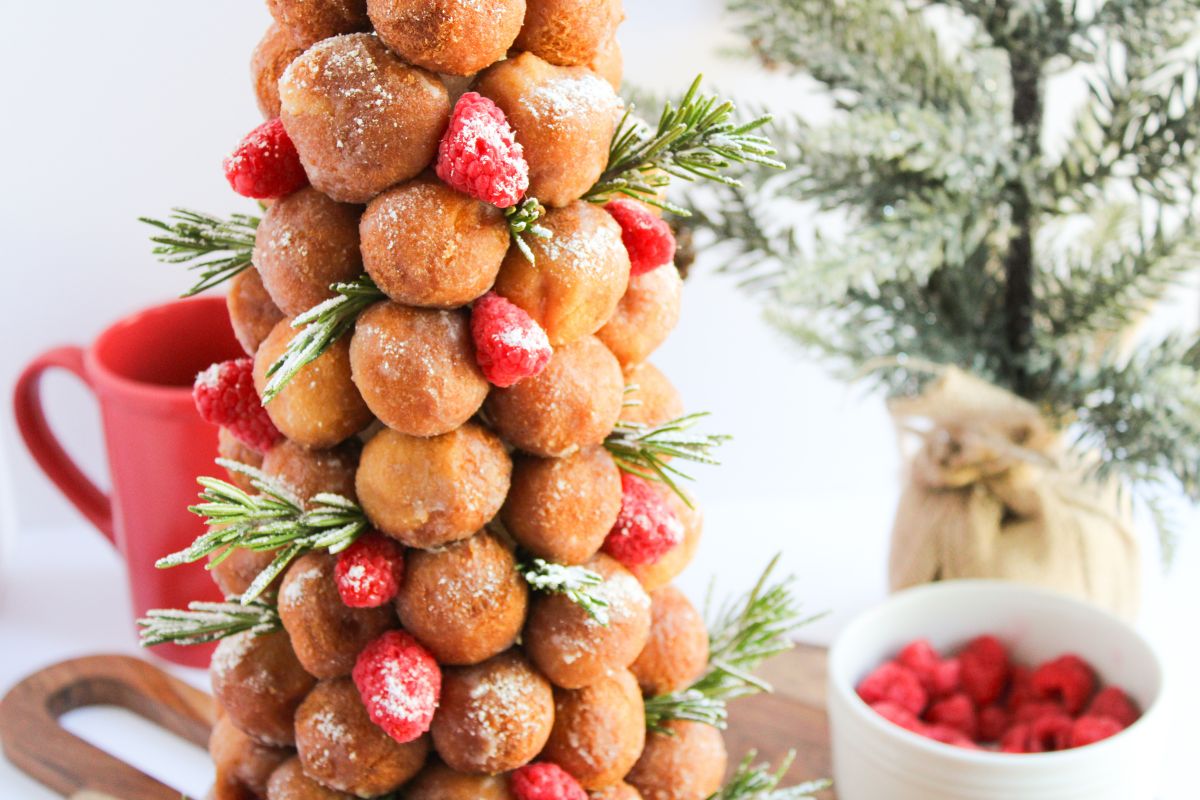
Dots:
{"x": 581, "y": 273}
{"x": 618, "y": 791}
{"x": 290, "y": 783}
{"x": 646, "y": 315}
{"x": 305, "y": 244}
{"x": 677, "y": 651}
{"x": 425, "y": 244}
{"x": 448, "y": 36}
{"x": 599, "y": 730}
{"x": 320, "y": 406}
{"x": 309, "y": 21}
{"x": 574, "y": 650}
{"x": 609, "y": 64}
{"x": 659, "y": 573}
{"x": 252, "y": 312}
{"x": 569, "y": 32}
{"x": 688, "y": 763}
{"x": 564, "y": 118}
{"x": 307, "y": 473}
{"x": 341, "y": 748}
{"x": 429, "y": 492}
{"x": 238, "y": 757}
{"x": 260, "y": 683}
{"x": 231, "y": 448}
{"x": 561, "y": 509}
{"x": 327, "y": 634}
{"x": 271, "y": 57}
{"x": 574, "y": 403}
{"x": 493, "y": 717}
{"x": 415, "y": 368}
{"x": 361, "y": 119}
{"x": 650, "y": 398}
{"x": 465, "y": 602}
{"x": 439, "y": 782}
{"x": 234, "y": 573}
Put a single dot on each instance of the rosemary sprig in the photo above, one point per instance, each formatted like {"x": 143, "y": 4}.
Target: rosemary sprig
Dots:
{"x": 275, "y": 519}
{"x": 576, "y": 583}
{"x": 522, "y": 218}
{"x": 321, "y": 325}
{"x": 207, "y": 622}
{"x": 646, "y": 451}
{"x": 758, "y": 782}
{"x": 217, "y": 248}
{"x": 695, "y": 140}
{"x": 743, "y": 634}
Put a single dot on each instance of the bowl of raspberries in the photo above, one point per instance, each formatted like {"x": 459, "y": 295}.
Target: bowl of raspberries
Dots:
{"x": 982, "y": 690}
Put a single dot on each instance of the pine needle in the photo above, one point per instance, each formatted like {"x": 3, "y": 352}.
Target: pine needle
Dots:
{"x": 522, "y": 219}
{"x": 274, "y": 520}
{"x": 207, "y": 622}
{"x": 759, "y": 782}
{"x": 575, "y": 583}
{"x": 217, "y": 248}
{"x": 647, "y": 451}
{"x": 321, "y": 326}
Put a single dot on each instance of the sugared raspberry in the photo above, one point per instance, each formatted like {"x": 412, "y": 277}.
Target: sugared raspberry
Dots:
{"x": 400, "y": 684}
{"x": 479, "y": 154}
{"x": 266, "y": 165}
{"x": 1050, "y": 732}
{"x": 1089, "y": 729}
{"x": 1114, "y": 704}
{"x": 950, "y": 735}
{"x": 939, "y": 676}
{"x": 898, "y": 715}
{"x": 893, "y": 683}
{"x": 1068, "y": 679}
{"x": 993, "y": 722}
{"x": 647, "y": 526}
{"x": 509, "y": 344}
{"x": 648, "y": 238}
{"x": 369, "y": 572}
{"x": 224, "y": 395}
{"x": 985, "y": 669}
{"x": 956, "y": 711}
{"x": 545, "y": 781}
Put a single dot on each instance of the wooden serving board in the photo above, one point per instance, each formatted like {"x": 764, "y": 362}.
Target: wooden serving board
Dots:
{"x": 791, "y": 719}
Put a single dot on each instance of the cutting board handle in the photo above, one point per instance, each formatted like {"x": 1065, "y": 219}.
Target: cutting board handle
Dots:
{"x": 35, "y": 741}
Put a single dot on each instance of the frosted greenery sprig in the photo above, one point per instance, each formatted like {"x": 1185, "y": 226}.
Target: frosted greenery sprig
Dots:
{"x": 273, "y": 520}
{"x": 759, "y": 782}
{"x": 646, "y": 451}
{"x": 742, "y": 634}
{"x": 205, "y": 622}
{"x": 576, "y": 583}
{"x": 522, "y": 219}
{"x": 217, "y": 248}
{"x": 698, "y": 139}
{"x": 320, "y": 327}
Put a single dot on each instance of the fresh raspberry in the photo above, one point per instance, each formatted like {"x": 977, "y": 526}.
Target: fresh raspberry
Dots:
{"x": 1068, "y": 679}
{"x": 1016, "y": 739}
{"x": 370, "y": 571}
{"x": 1050, "y": 732}
{"x": 947, "y": 734}
{"x": 985, "y": 669}
{"x": 899, "y": 716}
{"x": 479, "y": 154}
{"x": 1033, "y": 709}
{"x": 939, "y": 676}
{"x": 893, "y": 683}
{"x": 946, "y": 678}
{"x": 956, "y": 711}
{"x": 993, "y": 722}
{"x": 647, "y": 526}
{"x": 1020, "y": 689}
{"x": 224, "y": 395}
{"x": 266, "y": 165}
{"x": 1114, "y": 704}
{"x": 400, "y": 685}
{"x": 648, "y": 238}
{"x": 545, "y": 781}
{"x": 1089, "y": 729}
{"x": 509, "y": 344}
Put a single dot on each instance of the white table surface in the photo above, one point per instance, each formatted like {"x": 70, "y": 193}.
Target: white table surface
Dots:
{"x": 62, "y": 594}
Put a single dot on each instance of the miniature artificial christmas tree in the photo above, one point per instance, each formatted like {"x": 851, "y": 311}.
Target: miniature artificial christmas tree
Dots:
{"x": 991, "y": 269}
{"x": 452, "y": 512}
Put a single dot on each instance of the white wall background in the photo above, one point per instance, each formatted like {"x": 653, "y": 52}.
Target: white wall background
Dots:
{"x": 111, "y": 110}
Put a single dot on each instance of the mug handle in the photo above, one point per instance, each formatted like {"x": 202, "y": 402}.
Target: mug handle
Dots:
{"x": 44, "y": 446}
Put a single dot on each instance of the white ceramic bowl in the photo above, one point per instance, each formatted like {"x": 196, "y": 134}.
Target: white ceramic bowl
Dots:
{"x": 876, "y": 760}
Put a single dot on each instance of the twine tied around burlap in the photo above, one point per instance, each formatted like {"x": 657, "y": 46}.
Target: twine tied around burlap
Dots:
{"x": 991, "y": 493}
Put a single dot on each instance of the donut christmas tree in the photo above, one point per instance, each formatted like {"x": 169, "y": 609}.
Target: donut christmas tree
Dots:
{"x": 453, "y": 503}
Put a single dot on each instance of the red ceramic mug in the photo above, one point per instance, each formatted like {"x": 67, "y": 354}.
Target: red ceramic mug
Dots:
{"x": 141, "y": 370}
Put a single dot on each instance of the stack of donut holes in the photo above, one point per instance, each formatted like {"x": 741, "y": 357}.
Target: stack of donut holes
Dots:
{"x": 398, "y": 417}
